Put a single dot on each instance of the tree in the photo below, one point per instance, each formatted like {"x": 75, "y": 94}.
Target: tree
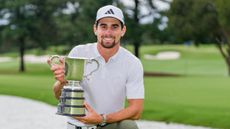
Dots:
{"x": 136, "y": 31}
{"x": 30, "y": 23}
{"x": 202, "y": 22}
{"x": 192, "y": 18}
{"x": 223, "y": 29}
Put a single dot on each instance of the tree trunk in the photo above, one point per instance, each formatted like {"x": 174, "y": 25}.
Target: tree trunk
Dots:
{"x": 137, "y": 35}
{"x": 136, "y": 49}
{"x": 228, "y": 64}
{"x": 21, "y": 54}
{"x": 224, "y": 55}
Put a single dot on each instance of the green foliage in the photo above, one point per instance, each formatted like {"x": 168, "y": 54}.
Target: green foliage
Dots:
{"x": 224, "y": 13}
{"x": 31, "y": 20}
{"x": 44, "y": 23}
{"x": 193, "y": 20}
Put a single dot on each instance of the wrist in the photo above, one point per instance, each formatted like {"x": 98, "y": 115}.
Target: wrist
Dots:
{"x": 62, "y": 83}
{"x": 103, "y": 120}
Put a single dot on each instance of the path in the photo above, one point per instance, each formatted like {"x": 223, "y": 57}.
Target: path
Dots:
{"x": 22, "y": 113}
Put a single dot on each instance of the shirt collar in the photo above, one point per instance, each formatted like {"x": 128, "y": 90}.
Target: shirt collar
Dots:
{"x": 116, "y": 55}
{"x": 97, "y": 54}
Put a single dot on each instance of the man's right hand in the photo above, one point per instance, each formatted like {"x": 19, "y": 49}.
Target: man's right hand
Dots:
{"x": 58, "y": 70}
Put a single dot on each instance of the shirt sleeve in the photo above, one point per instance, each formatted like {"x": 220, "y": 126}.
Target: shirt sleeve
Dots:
{"x": 135, "y": 83}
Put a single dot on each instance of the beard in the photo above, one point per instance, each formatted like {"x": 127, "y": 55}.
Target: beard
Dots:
{"x": 108, "y": 45}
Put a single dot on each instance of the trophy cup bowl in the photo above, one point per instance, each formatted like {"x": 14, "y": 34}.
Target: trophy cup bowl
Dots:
{"x": 74, "y": 68}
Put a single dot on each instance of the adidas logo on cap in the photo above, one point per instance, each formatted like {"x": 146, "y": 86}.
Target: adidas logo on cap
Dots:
{"x": 110, "y": 11}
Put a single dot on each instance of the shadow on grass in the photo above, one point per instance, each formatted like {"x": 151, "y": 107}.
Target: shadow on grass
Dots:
{"x": 161, "y": 74}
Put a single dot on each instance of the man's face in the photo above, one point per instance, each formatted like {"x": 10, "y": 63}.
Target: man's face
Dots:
{"x": 109, "y": 32}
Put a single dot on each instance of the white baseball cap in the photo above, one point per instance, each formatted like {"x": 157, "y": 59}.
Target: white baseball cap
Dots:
{"x": 110, "y": 11}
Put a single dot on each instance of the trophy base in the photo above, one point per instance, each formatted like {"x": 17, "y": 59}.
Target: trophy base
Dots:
{"x": 70, "y": 110}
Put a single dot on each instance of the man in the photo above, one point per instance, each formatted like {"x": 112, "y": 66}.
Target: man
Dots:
{"x": 120, "y": 76}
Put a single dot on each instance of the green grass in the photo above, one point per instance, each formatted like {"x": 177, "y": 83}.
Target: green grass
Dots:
{"x": 205, "y": 60}
{"x": 201, "y": 97}
{"x": 191, "y": 100}
{"x": 29, "y": 86}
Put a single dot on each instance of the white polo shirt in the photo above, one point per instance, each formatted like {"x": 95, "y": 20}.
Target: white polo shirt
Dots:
{"x": 108, "y": 87}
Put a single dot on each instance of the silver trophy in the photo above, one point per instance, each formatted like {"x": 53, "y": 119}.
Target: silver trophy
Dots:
{"x": 71, "y": 102}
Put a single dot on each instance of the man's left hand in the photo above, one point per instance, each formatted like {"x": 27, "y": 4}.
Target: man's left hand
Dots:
{"x": 91, "y": 117}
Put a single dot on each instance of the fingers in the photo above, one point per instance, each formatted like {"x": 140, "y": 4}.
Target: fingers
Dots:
{"x": 57, "y": 67}
{"x": 91, "y": 117}
{"x": 59, "y": 72}
{"x": 82, "y": 119}
{"x": 88, "y": 108}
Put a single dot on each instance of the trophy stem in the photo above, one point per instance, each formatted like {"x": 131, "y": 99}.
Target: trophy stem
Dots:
{"x": 73, "y": 83}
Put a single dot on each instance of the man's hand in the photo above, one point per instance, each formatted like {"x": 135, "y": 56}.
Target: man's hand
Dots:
{"x": 91, "y": 117}
{"x": 58, "y": 70}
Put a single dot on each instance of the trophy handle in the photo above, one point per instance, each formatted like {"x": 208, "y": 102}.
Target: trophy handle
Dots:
{"x": 54, "y": 59}
{"x": 90, "y": 61}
